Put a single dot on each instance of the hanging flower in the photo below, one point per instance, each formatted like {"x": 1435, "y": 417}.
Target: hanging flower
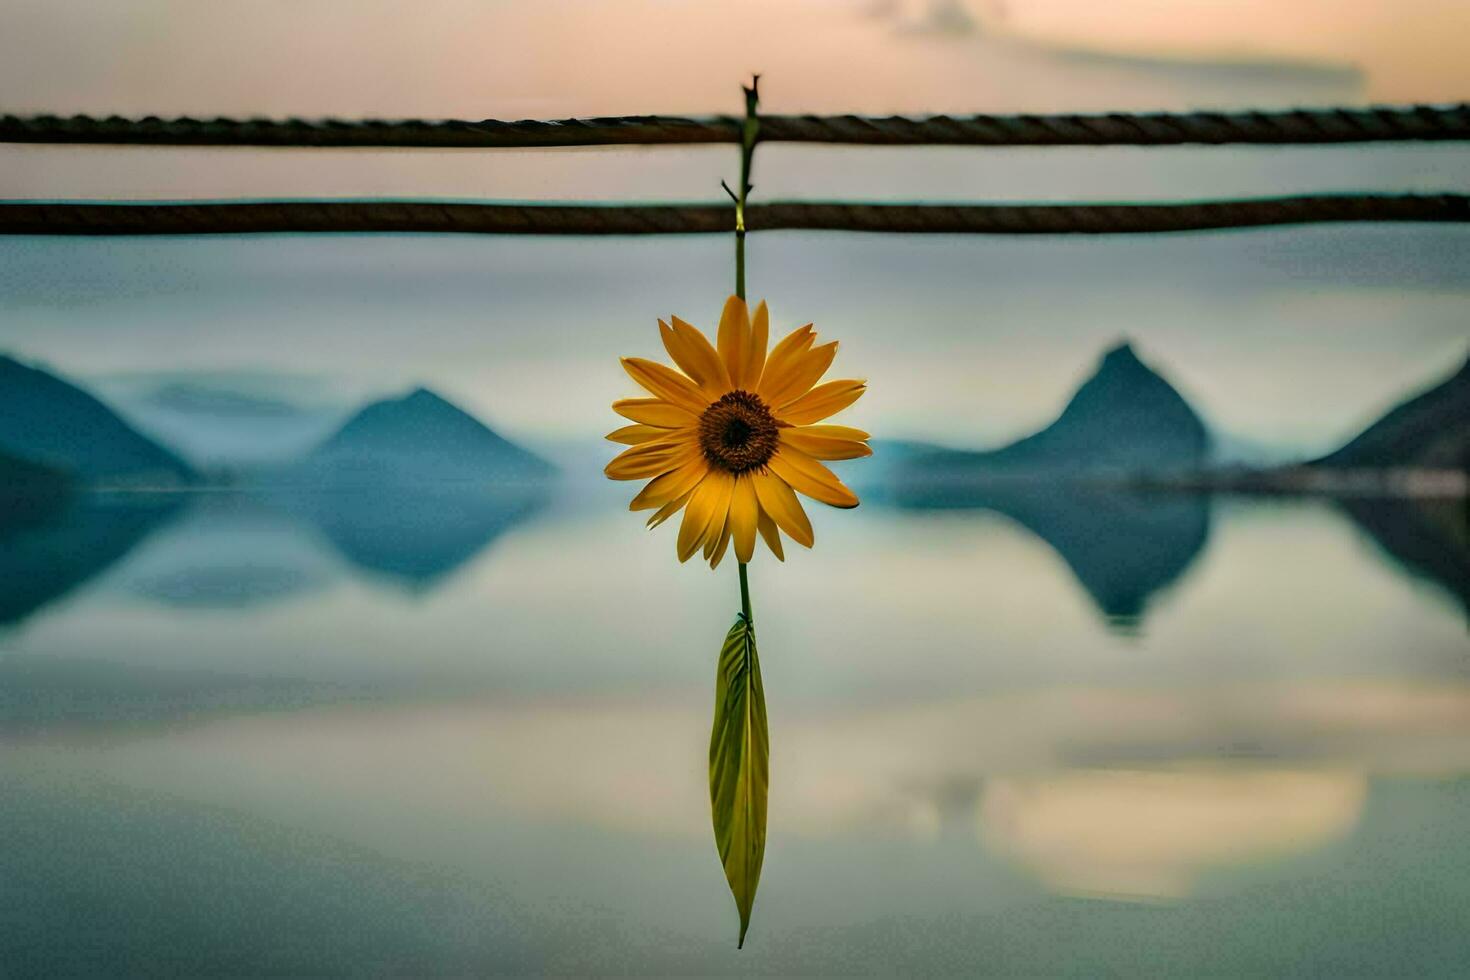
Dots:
{"x": 734, "y": 437}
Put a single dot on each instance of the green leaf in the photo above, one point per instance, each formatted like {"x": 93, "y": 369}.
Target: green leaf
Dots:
{"x": 739, "y": 766}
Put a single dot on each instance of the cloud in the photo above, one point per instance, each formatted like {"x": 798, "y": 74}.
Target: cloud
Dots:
{"x": 943, "y": 18}
{"x": 1274, "y": 72}
{"x": 1197, "y": 76}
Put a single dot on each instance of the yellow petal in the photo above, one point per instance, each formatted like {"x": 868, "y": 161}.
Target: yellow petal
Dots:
{"x": 836, "y": 432}
{"x": 634, "y": 435}
{"x": 755, "y": 355}
{"x": 734, "y": 338}
{"x": 777, "y": 500}
{"x": 784, "y": 361}
{"x": 655, "y": 412}
{"x": 667, "y": 510}
{"x": 809, "y": 369}
{"x": 668, "y": 441}
{"x": 744, "y": 509}
{"x": 692, "y": 351}
{"x": 771, "y": 534}
{"x": 717, "y": 529}
{"x": 674, "y": 483}
{"x": 822, "y": 401}
{"x": 724, "y": 543}
{"x": 798, "y": 339}
{"x": 696, "y": 517}
{"x": 819, "y": 446}
{"x": 666, "y": 383}
{"x": 708, "y": 505}
{"x": 651, "y": 459}
{"x": 810, "y": 477}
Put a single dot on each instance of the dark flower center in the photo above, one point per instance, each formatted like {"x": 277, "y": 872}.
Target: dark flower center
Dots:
{"x": 738, "y": 433}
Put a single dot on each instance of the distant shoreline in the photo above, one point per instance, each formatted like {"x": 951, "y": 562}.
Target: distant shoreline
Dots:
{"x": 1302, "y": 481}
{"x": 1397, "y": 483}
{"x": 1394, "y": 483}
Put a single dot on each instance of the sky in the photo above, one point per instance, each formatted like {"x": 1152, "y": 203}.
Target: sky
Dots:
{"x": 1289, "y": 336}
{"x": 578, "y": 57}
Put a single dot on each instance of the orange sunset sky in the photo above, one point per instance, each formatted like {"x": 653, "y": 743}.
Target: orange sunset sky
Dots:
{"x": 580, "y": 57}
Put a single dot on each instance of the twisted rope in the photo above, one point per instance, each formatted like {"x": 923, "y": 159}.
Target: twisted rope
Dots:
{"x": 209, "y": 218}
{"x": 1301, "y": 126}
{"x": 1367, "y": 125}
{"x": 184, "y": 131}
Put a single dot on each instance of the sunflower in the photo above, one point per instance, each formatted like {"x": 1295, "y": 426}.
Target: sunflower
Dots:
{"x": 733, "y": 438}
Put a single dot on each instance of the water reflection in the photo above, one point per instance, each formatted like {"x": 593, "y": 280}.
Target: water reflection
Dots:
{"x": 1123, "y": 547}
{"x": 1152, "y": 835}
{"x": 1428, "y": 538}
{"x": 238, "y": 550}
{"x": 42, "y": 694}
{"x": 236, "y": 751}
{"x": 229, "y": 551}
{"x": 413, "y": 537}
{"x": 44, "y": 561}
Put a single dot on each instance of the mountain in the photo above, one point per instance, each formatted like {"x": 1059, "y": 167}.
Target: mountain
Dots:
{"x": 1430, "y": 431}
{"x": 1123, "y": 418}
{"x": 51, "y": 421}
{"x": 417, "y": 439}
{"x": 29, "y": 491}
{"x": 22, "y": 477}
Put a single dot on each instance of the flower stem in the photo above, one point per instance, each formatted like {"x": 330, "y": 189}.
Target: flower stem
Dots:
{"x": 745, "y": 596}
{"x": 740, "y": 259}
{"x": 740, "y": 262}
{"x": 748, "y": 134}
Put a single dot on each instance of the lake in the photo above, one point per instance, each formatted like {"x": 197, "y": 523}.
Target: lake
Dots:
{"x": 1058, "y": 733}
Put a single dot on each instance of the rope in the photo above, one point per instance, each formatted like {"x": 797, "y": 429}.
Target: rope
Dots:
{"x": 1365, "y": 125}
{"x": 1369, "y": 125}
{"x": 211, "y": 218}
{"x": 184, "y": 131}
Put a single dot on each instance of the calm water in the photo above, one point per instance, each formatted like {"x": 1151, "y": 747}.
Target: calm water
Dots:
{"x": 1057, "y": 734}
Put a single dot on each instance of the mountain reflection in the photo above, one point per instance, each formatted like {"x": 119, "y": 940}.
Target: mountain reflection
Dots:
{"x": 1123, "y": 546}
{"x": 414, "y": 537}
{"x": 1429, "y": 539}
{"x": 243, "y": 550}
{"x": 229, "y": 551}
{"x": 43, "y": 562}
